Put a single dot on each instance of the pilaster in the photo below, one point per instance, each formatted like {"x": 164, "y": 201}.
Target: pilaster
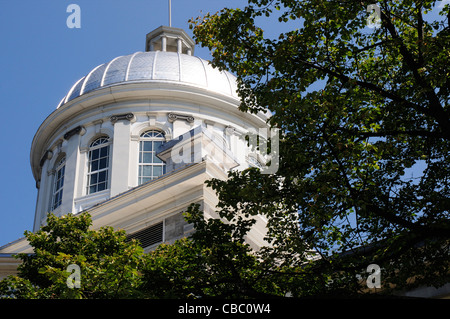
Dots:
{"x": 120, "y": 153}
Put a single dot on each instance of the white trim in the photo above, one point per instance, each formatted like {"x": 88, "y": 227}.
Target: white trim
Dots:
{"x": 140, "y": 128}
{"x": 102, "y": 83}
{"x": 87, "y": 78}
{"x": 92, "y": 136}
{"x": 129, "y": 64}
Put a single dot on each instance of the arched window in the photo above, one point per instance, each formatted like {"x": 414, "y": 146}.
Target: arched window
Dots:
{"x": 98, "y": 166}
{"x": 150, "y": 166}
{"x": 58, "y": 183}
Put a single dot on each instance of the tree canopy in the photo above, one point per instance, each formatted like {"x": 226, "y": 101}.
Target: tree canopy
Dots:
{"x": 364, "y": 116}
{"x": 108, "y": 264}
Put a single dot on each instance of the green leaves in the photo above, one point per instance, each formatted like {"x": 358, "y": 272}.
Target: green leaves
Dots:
{"x": 361, "y": 110}
{"x": 108, "y": 264}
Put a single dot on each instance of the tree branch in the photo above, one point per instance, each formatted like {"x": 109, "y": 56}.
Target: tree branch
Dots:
{"x": 367, "y": 85}
{"x": 420, "y": 35}
{"x": 435, "y": 109}
{"x": 363, "y": 135}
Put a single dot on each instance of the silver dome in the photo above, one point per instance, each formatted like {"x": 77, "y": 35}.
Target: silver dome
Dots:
{"x": 155, "y": 66}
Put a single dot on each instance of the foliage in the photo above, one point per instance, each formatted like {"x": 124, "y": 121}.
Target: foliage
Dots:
{"x": 108, "y": 263}
{"x": 364, "y": 155}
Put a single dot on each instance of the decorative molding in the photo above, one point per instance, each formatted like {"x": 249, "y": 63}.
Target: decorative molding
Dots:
{"x": 48, "y": 155}
{"x": 140, "y": 128}
{"x": 229, "y": 130}
{"x": 119, "y": 117}
{"x": 208, "y": 123}
{"x": 78, "y": 130}
{"x": 172, "y": 117}
{"x": 151, "y": 118}
{"x": 91, "y": 136}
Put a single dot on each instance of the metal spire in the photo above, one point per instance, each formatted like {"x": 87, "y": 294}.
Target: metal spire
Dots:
{"x": 170, "y": 13}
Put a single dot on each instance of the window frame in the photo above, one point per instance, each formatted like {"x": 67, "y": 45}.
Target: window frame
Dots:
{"x": 58, "y": 184}
{"x": 152, "y": 136}
{"x": 100, "y": 143}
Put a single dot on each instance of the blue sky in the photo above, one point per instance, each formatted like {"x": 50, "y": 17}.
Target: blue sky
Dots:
{"x": 41, "y": 58}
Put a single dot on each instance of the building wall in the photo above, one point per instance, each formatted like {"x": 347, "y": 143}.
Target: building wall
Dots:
{"x": 124, "y": 135}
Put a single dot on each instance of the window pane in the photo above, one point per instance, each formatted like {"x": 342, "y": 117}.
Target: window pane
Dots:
{"x": 92, "y": 189}
{"x": 103, "y": 163}
{"x": 147, "y": 146}
{"x": 95, "y": 154}
{"x": 101, "y": 187}
{"x": 104, "y": 151}
{"x": 145, "y": 179}
{"x": 157, "y": 144}
{"x": 156, "y": 159}
{"x": 102, "y": 176}
{"x": 93, "y": 179}
{"x": 157, "y": 171}
{"x": 57, "y": 199}
{"x": 146, "y": 170}
{"x": 146, "y": 157}
{"x": 94, "y": 166}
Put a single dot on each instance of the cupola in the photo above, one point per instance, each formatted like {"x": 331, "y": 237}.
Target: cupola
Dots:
{"x": 169, "y": 39}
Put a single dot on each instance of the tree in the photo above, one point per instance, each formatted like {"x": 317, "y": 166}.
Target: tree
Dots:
{"x": 108, "y": 264}
{"x": 364, "y": 155}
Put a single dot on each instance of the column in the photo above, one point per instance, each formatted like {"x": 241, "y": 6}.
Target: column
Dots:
{"x": 163, "y": 43}
{"x": 72, "y": 150}
{"x": 179, "y": 45}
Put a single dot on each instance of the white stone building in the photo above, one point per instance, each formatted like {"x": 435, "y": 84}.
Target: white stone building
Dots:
{"x": 134, "y": 140}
